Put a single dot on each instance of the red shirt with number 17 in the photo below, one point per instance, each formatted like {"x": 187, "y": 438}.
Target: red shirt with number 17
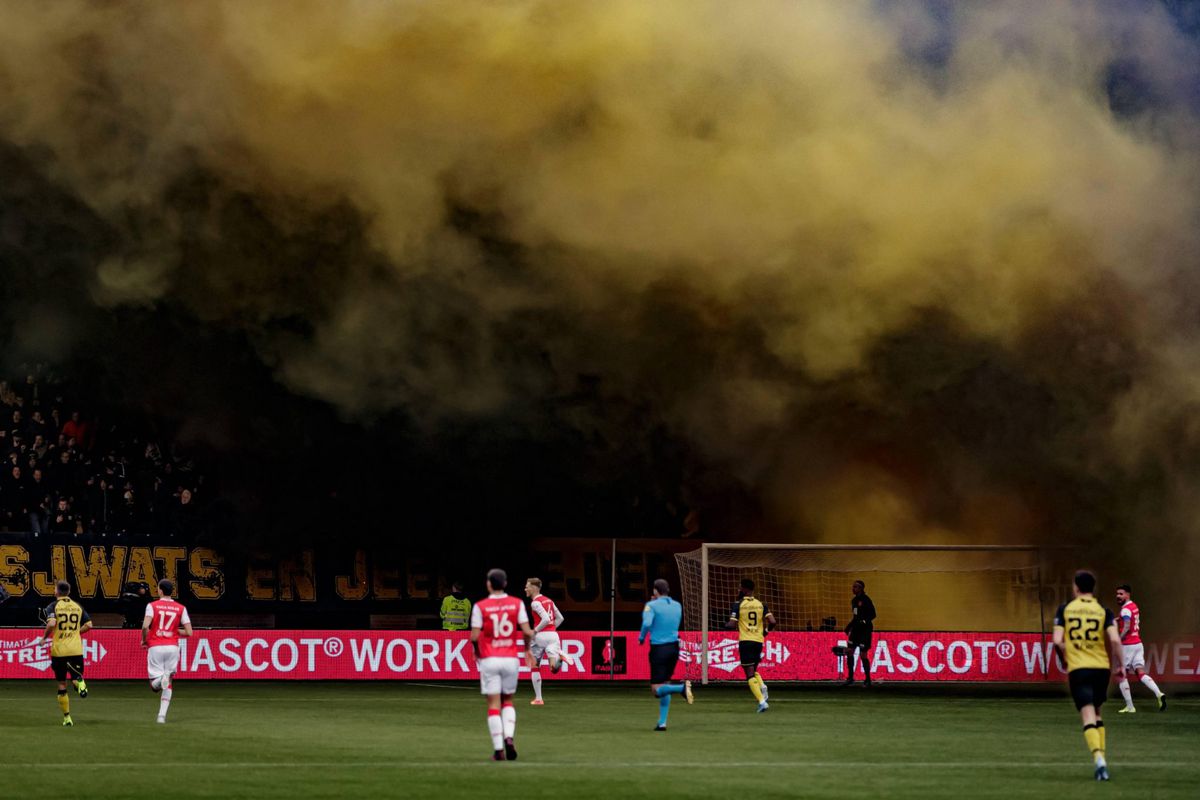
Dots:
{"x": 498, "y": 618}
{"x": 166, "y": 616}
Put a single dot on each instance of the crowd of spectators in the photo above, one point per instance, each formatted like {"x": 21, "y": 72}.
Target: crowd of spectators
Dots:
{"x": 72, "y": 472}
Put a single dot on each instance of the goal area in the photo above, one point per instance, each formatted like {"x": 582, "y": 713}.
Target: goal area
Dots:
{"x": 807, "y": 587}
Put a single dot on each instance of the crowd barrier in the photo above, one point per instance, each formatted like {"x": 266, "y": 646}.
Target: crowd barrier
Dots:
{"x": 594, "y": 655}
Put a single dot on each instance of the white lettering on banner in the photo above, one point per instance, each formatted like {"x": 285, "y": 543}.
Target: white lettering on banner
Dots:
{"x": 1156, "y": 657}
{"x": 260, "y": 666}
{"x": 279, "y": 645}
{"x": 966, "y": 664}
{"x": 203, "y": 657}
{"x": 984, "y": 649}
{"x": 229, "y": 649}
{"x": 454, "y": 655}
{"x": 573, "y": 649}
{"x": 311, "y": 644}
{"x": 907, "y": 650}
{"x": 1180, "y": 660}
{"x": 1035, "y": 658}
{"x": 390, "y": 655}
{"x": 925, "y": 657}
{"x": 364, "y": 652}
{"x": 882, "y": 660}
{"x": 427, "y": 654}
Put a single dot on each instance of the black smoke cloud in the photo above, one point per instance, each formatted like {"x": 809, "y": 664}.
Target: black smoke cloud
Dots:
{"x": 862, "y": 272}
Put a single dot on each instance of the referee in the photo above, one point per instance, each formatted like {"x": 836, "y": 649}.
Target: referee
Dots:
{"x": 660, "y": 620}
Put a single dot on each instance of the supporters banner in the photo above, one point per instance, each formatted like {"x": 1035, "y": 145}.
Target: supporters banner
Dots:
{"x": 594, "y": 655}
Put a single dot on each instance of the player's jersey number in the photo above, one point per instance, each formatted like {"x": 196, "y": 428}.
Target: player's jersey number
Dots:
{"x": 502, "y": 626}
{"x": 752, "y": 619}
{"x": 67, "y": 624}
{"x": 166, "y": 622}
{"x": 1080, "y": 629}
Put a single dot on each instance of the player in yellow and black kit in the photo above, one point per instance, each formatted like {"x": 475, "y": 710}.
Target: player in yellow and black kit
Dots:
{"x": 66, "y": 621}
{"x": 1088, "y": 645}
{"x": 752, "y": 621}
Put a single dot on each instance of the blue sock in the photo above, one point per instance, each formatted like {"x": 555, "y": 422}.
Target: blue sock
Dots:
{"x": 668, "y": 689}
{"x": 664, "y": 705}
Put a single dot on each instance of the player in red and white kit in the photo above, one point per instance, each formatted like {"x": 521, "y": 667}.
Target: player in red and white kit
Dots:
{"x": 1130, "y": 626}
{"x": 495, "y": 621}
{"x": 545, "y": 637}
{"x": 165, "y": 622}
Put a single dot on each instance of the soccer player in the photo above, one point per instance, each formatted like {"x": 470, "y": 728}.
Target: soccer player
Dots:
{"x": 66, "y": 622}
{"x": 166, "y": 620}
{"x": 1135, "y": 655}
{"x": 545, "y": 637}
{"x": 660, "y": 621}
{"x": 752, "y": 621}
{"x": 494, "y": 623}
{"x": 858, "y": 631}
{"x": 1082, "y": 630}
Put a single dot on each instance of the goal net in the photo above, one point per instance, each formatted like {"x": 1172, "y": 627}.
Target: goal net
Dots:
{"x": 915, "y": 588}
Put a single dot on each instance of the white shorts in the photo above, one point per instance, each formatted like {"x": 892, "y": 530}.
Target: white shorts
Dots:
{"x": 498, "y": 675}
{"x": 1135, "y": 656}
{"x": 546, "y": 643}
{"x": 161, "y": 659}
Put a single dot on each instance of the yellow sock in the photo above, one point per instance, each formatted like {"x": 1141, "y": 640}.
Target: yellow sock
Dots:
{"x": 758, "y": 677}
{"x": 64, "y": 703}
{"x": 1103, "y": 737}
{"x": 757, "y": 692}
{"x": 1092, "y": 736}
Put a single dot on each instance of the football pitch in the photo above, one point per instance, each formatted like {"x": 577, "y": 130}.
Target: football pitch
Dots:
{"x": 282, "y": 740}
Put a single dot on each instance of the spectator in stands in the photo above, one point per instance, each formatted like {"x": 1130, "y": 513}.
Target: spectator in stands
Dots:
{"x": 38, "y": 426}
{"x": 64, "y": 520}
{"x": 16, "y": 507}
{"x": 185, "y": 523}
{"x": 101, "y": 505}
{"x": 75, "y": 428}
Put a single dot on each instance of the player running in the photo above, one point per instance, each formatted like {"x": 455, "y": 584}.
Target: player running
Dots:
{"x": 66, "y": 622}
{"x": 166, "y": 620}
{"x": 494, "y": 623}
{"x": 750, "y": 617}
{"x": 1082, "y": 629}
{"x": 1135, "y": 655}
{"x": 546, "y": 641}
{"x": 660, "y": 620}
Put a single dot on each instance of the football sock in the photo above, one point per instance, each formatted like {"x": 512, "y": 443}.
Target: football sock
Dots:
{"x": 754, "y": 690}
{"x": 156, "y": 683}
{"x": 64, "y": 702}
{"x": 1151, "y": 685}
{"x": 668, "y": 689}
{"x": 508, "y": 715}
{"x": 1123, "y": 685}
{"x": 664, "y": 706}
{"x": 1092, "y": 736}
{"x": 535, "y": 678}
{"x": 496, "y": 728}
{"x": 1103, "y": 736}
{"x": 761, "y": 683}
{"x": 164, "y": 701}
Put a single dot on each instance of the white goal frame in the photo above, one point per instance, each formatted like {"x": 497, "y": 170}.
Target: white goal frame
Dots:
{"x": 939, "y": 548}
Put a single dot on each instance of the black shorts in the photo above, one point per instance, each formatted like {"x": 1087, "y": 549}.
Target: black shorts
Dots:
{"x": 1089, "y": 687}
{"x": 859, "y": 639}
{"x": 663, "y": 658}
{"x": 750, "y": 653}
{"x": 67, "y": 667}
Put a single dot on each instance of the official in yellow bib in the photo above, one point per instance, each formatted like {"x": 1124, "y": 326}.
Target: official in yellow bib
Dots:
{"x": 66, "y": 622}
{"x": 1089, "y": 646}
{"x": 750, "y": 617}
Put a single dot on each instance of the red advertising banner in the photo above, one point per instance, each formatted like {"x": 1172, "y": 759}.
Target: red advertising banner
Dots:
{"x": 594, "y": 655}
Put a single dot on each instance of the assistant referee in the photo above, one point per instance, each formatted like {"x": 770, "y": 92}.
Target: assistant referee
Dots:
{"x": 660, "y": 621}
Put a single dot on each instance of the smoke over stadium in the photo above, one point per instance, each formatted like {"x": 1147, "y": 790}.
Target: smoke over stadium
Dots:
{"x": 852, "y": 271}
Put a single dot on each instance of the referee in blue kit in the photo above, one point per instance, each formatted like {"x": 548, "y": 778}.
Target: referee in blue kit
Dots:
{"x": 660, "y": 620}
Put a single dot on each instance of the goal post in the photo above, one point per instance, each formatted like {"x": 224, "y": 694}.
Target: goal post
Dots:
{"x": 915, "y": 588}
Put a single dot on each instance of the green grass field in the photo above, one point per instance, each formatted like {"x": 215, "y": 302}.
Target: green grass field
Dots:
{"x": 251, "y": 740}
